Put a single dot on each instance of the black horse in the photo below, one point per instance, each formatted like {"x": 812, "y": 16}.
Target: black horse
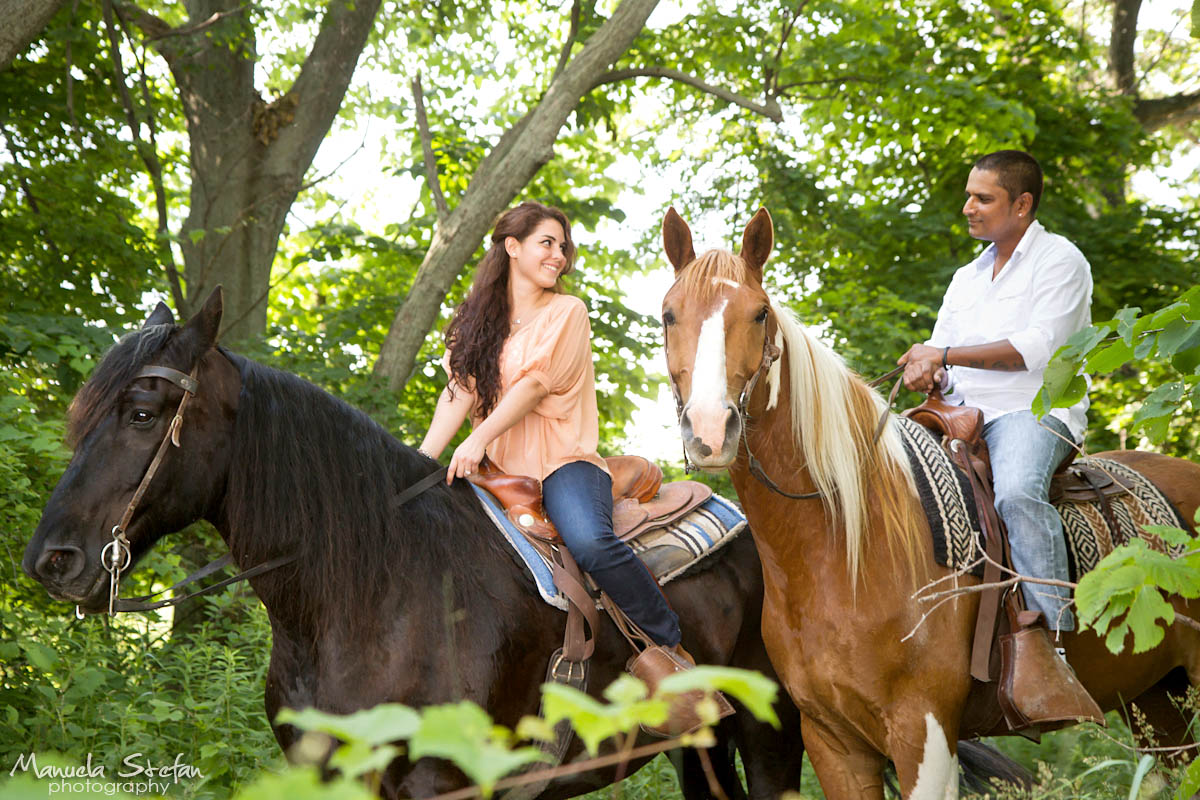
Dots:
{"x": 420, "y": 605}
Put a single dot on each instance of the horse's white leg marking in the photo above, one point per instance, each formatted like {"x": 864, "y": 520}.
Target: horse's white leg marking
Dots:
{"x": 937, "y": 777}
{"x": 706, "y": 408}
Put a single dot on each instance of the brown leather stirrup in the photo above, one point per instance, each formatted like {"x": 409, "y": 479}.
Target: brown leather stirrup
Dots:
{"x": 1036, "y": 686}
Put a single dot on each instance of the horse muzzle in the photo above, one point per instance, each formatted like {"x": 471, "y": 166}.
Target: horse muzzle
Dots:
{"x": 710, "y": 436}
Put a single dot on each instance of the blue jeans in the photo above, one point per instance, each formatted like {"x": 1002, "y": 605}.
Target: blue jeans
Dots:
{"x": 578, "y": 500}
{"x": 1024, "y": 454}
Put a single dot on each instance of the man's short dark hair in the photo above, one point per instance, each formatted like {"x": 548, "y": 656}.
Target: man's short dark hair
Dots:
{"x": 1017, "y": 171}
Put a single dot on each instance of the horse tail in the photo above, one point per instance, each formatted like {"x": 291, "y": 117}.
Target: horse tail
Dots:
{"x": 982, "y": 764}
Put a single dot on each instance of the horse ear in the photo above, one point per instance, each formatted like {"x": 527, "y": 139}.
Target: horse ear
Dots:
{"x": 757, "y": 241}
{"x": 161, "y": 315}
{"x": 205, "y": 325}
{"x": 677, "y": 240}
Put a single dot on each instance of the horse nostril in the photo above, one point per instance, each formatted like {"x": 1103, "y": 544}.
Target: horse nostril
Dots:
{"x": 59, "y": 563}
{"x": 704, "y": 450}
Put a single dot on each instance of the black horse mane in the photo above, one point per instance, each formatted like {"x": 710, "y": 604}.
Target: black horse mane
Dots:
{"x": 120, "y": 365}
{"x": 311, "y": 475}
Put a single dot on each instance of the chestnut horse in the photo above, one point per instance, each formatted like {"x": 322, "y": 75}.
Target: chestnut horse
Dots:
{"x": 419, "y": 605}
{"x": 841, "y": 565}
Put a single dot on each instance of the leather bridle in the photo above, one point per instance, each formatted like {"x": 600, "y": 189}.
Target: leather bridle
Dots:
{"x": 771, "y": 353}
{"x": 116, "y": 556}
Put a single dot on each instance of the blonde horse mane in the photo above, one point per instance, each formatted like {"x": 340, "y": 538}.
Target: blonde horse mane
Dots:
{"x": 833, "y": 417}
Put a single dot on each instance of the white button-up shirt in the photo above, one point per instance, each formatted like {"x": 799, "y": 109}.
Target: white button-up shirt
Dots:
{"x": 1041, "y": 296}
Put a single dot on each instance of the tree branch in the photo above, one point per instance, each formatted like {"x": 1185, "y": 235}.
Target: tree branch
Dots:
{"x": 1158, "y": 112}
{"x": 769, "y": 109}
{"x": 565, "y": 55}
{"x": 772, "y": 87}
{"x": 216, "y": 17}
{"x": 320, "y": 88}
{"x": 147, "y": 23}
{"x": 431, "y": 171}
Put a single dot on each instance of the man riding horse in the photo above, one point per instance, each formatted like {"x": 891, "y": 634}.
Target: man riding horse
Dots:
{"x": 1002, "y": 318}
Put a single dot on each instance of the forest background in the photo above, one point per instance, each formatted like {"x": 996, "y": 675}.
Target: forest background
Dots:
{"x": 337, "y": 169}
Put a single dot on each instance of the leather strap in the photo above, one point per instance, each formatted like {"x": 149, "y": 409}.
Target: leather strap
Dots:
{"x": 140, "y": 604}
{"x": 1109, "y": 517}
{"x": 989, "y": 601}
{"x": 420, "y": 486}
{"x": 186, "y": 382}
{"x": 581, "y": 608}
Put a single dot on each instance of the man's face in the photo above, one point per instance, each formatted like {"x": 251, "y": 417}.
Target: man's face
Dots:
{"x": 991, "y": 214}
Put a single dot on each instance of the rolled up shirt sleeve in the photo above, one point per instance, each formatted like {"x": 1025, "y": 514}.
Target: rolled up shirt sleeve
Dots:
{"x": 1061, "y": 301}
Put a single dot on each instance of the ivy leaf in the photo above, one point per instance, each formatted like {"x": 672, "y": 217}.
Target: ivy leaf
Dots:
{"x": 595, "y": 721}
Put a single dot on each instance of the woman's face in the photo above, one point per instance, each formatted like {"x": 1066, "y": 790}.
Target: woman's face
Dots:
{"x": 540, "y": 256}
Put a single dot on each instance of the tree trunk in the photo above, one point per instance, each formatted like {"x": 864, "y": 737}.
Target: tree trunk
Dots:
{"x": 510, "y": 166}
{"x": 248, "y": 157}
{"x": 23, "y": 20}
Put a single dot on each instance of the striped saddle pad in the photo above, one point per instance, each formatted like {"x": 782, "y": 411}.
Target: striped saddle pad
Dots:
{"x": 950, "y": 507}
{"x": 669, "y": 550}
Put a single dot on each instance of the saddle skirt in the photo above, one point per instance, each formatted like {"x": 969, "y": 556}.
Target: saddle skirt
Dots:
{"x": 1132, "y": 502}
{"x": 669, "y": 547}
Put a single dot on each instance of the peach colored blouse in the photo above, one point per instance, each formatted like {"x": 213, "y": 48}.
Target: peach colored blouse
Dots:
{"x": 555, "y": 349}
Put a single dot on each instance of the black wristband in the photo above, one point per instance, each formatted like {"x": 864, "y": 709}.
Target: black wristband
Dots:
{"x": 945, "y": 352}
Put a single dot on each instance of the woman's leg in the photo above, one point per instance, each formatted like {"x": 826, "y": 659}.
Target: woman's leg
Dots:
{"x": 578, "y": 500}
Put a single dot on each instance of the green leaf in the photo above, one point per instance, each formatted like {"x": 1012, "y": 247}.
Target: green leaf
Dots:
{"x": 752, "y": 689}
{"x": 39, "y": 655}
{"x": 1178, "y": 335}
{"x": 1126, "y": 320}
{"x": 595, "y": 721}
{"x": 1110, "y": 358}
{"x": 1170, "y": 534}
{"x": 372, "y": 726}
{"x": 463, "y": 733}
{"x": 1191, "y": 776}
{"x": 1156, "y": 410}
{"x": 1143, "y": 616}
{"x": 357, "y": 758}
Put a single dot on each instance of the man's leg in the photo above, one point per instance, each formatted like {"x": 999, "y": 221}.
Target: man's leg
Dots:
{"x": 1024, "y": 454}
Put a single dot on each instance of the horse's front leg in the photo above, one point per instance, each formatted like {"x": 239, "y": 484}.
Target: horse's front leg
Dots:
{"x": 926, "y": 757}
{"x": 847, "y": 767}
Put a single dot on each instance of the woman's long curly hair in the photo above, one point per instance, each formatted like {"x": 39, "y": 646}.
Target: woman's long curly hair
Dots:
{"x": 476, "y": 334}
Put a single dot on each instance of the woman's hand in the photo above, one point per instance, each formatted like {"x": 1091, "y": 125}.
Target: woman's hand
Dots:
{"x": 466, "y": 458}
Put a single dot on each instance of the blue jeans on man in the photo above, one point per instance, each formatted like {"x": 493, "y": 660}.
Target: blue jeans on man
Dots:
{"x": 1024, "y": 452}
{"x": 578, "y": 500}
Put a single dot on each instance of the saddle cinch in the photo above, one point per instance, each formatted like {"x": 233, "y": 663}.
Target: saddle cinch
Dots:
{"x": 1012, "y": 658}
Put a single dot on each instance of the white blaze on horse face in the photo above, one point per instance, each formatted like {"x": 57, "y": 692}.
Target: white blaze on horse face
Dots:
{"x": 937, "y": 777}
{"x": 706, "y": 408}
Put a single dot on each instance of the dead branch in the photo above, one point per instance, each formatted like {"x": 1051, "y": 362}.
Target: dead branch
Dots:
{"x": 769, "y": 108}
{"x": 431, "y": 171}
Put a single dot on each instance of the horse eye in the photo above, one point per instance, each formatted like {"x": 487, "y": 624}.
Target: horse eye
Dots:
{"x": 140, "y": 417}
{"x": 762, "y": 316}
{"x": 668, "y": 318}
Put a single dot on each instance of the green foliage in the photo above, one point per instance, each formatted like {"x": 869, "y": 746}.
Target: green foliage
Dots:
{"x": 1169, "y": 336}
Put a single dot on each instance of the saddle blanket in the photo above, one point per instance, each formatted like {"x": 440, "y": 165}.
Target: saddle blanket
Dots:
{"x": 949, "y": 505}
{"x": 669, "y": 551}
